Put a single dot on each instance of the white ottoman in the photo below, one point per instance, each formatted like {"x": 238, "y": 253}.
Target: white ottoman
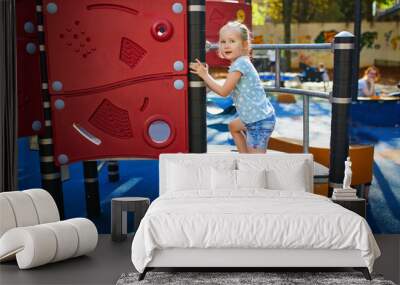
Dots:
{"x": 31, "y": 232}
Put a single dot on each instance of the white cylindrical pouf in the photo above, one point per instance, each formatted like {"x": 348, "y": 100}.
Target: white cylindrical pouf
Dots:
{"x": 67, "y": 239}
{"x": 24, "y": 210}
{"x": 34, "y": 246}
{"x": 7, "y": 218}
{"x": 46, "y": 208}
{"x": 87, "y": 233}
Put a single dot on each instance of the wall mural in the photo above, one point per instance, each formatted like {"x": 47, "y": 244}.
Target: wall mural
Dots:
{"x": 325, "y": 36}
{"x": 395, "y": 42}
{"x": 304, "y": 39}
{"x": 368, "y": 40}
{"x": 258, "y": 39}
{"x": 391, "y": 40}
{"x": 387, "y": 36}
{"x": 379, "y": 42}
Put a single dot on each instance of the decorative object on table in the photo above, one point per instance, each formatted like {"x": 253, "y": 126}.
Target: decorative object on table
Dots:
{"x": 119, "y": 208}
{"x": 31, "y": 231}
{"x": 347, "y": 174}
{"x": 345, "y": 193}
{"x": 248, "y": 278}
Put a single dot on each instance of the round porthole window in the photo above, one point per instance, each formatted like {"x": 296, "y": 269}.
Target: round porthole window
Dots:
{"x": 162, "y": 30}
{"x": 159, "y": 131}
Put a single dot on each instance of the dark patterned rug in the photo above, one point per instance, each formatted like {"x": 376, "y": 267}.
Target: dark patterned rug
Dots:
{"x": 243, "y": 278}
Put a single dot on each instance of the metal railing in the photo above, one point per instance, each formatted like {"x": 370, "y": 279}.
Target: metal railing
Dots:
{"x": 277, "y": 88}
{"x": 305, "y": 93}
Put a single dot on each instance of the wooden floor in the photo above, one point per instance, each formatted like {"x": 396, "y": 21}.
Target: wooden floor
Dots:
{"x": 111, "y": 259}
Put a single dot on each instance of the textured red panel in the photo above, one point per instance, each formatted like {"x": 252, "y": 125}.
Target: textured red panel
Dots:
{"x": 112, "y": 68}
{"x": 92, "y": 44}
{"x": 114, "y": 122}
{"x": 30, "y": 108}
{"x": 218, "y": 13}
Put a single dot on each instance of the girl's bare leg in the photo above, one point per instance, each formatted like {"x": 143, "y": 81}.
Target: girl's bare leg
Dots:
{"x": 236, "y": 127}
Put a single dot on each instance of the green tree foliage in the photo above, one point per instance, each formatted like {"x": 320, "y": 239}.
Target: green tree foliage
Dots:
{"x": 259, "y": 12}
{"x": 266, "y": 11}
{"x": 305, "y": 11}
{"x": 347, "y": 11}
{"x": 272, "y": 10}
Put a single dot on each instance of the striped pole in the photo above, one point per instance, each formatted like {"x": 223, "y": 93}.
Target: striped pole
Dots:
{"x": 91, "y": 188}
{"x": 113, "y": 171}
{"x": 197, "y": 88}
{"x": 343, "y": 48}
{"x": 51, "y": 178}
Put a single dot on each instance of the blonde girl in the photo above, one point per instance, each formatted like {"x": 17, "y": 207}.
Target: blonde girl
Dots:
{"x": 253, "y": 128}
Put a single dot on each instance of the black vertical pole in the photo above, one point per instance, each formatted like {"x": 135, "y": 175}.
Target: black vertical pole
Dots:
{"x": 113, "y": 171}
{"x": 51, "y": 178}
{"x": 197, "y": 89}
{"x": 91, "y": 188}
{"x": 357, "y": 40}
{"x": 343, "y": 48}
{"x": 287, "y": 22}
{"x": 8, "y": 100}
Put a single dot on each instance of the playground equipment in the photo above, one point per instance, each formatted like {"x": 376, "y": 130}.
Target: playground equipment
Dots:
{"x": 105, "y": 81}
{"x": 30, "y": 115}
{"x": 378, "y": 111}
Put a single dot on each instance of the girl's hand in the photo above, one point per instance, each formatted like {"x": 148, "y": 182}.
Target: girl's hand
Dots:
{"x": 198, "y": 68}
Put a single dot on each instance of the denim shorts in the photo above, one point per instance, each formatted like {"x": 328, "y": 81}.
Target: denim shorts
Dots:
{"x": 258, "y": 133}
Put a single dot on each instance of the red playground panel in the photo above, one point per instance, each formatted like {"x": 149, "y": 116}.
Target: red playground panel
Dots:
{"x": 92, "y": 44}
{"x": 218, "y": 13}
{"x": 30, "y": 107}
{"x": 142, "y": 119}
{"x": 117, "y": 77}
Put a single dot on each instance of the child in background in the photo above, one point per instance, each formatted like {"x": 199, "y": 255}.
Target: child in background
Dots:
{"x": 324, "y": 74}
{"x": 252, "y": 130}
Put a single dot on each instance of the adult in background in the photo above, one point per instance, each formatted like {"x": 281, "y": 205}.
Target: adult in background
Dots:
{"x": 366, "y": 85}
